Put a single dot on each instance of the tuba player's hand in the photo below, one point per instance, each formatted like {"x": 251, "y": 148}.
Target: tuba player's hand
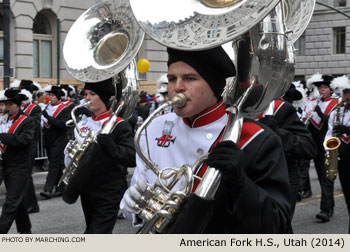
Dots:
{"x": 229, "y": 159}
{"x": 107, "y": 143}
{"x": 134, "y": 196}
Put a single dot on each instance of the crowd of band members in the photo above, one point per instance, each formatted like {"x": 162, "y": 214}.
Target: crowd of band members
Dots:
{"x": 30, "y": 118}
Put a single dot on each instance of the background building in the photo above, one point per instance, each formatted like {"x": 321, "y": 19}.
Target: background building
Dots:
{"x": 38, "y": 29}
{"x": 325, "y": 45}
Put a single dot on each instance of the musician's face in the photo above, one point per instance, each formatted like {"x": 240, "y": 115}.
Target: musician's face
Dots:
{"x": 11, "y": 107}
{"x": 346, "y": 98}
{"x": 185, "y": 79}
{"x": 53, "y": 98}
{"x": 325, "y": 91}
{"x": 97, "y": 106}
{"x": 2, "y": 107}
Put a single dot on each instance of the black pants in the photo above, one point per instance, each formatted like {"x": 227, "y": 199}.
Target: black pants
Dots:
{"x": 344, "y": 177}
{"x": 305, "y": 184}
{"x": 55, "y": 156}
{"x": 327, "y": 185}
{"x": 100, "y": 214}
{"x": 30, "y": 199}
{"x": 16, "y": 183}
{"x": 294, "y": 181}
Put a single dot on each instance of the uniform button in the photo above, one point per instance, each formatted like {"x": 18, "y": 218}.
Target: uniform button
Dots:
{"x": 209, "y": 136}
{"x": 200, "y": 151}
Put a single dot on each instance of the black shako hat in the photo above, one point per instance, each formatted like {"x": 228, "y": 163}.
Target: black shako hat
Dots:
{"x": 292, "y": 94}
{"x": 14, "y": 96}
{"x": 104, "y": 89}
{"x": 326, "y": 80}
{"x": 28, "y": 85}
{"x": 214, "y": 65}
{"x": 57, "y": 91}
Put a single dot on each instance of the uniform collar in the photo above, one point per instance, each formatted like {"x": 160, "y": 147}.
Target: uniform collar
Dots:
{"x": 101, "y": 116}
{"x": 207, "y": 116}
{"x": 13, "y": 117}
{"x": 327, "y": 99}
{"x": 58, "y": 103}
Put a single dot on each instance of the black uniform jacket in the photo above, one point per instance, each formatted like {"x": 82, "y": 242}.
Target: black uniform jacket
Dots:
{"x": 34, "y": 111}
{"x": 297, "y": 141}
{"x": 17, "y": 151}
{"x": 55, "y": 132}
{"x": 263, "y": 206}
{"x": 105, "y": 181}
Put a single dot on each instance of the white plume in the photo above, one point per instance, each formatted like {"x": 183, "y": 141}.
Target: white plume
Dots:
{"x": 300, "y": 88}
{"x": 15, "y": 84}
{"x": 47, "y": 88}
{"x": 40, "y": 88}
{"x": 312, "y": 88}
{"x": 29, "y": 96}
{"x": 2, "y": 95}
{"x": 340, "y": 83}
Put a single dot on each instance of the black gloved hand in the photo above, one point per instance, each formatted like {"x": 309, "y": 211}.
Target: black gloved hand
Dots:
{"x": 341, "y": 129}
{"x": 269, "y": 121}
{"x": 228, "y": 158}
{"x": 107, "y": 143}
{"x": 5, "y": 138}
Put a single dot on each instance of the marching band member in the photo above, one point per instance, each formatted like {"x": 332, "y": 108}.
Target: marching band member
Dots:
{"x": 319, "y": 115}
{"x": 342, "y": 84}
{"x": 3, "y": 119}
{"x": 103, "y": 189}
{"x": 34, "y": 111}
{"x": 254, "y": 194}
{"x": 297, "y": 141}
{"x": 305, "y": 190}
{"x": 15, "y": 145}
{"x": 54, "y": 119}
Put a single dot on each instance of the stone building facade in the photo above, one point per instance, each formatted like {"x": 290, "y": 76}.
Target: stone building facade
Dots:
{"x": 325, "y": 47}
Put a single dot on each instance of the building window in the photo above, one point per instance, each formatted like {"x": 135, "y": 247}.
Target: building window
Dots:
{"x": 339, "y": 3}
{"x": 42, "y": 47}
{"x": 300, "y": 46}
{"x": 339, "y": 40}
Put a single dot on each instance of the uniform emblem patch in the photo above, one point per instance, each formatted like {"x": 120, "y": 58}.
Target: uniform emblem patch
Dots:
{"x": 166, "y": 138}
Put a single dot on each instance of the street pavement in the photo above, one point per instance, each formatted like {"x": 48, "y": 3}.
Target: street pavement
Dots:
{"x": 57, "y": 217}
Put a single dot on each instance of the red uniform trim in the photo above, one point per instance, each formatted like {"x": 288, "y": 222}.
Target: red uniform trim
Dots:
{"x": 276, "y": 106}
{"x": 55, "y": 114}
{"x": 248, "y": 132}
{"x": 207, "y": 116}
{"x": 29, "y": 109}
{"x": 327, "y": 111}
{"x": 13, "y": 128}
{"x": 345, "y": 139}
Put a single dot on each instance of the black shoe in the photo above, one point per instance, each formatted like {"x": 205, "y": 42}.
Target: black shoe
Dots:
{"x": 33, "y": 209}
{"x": 325, "y": 215}
{"x": 46, "y": 194}
{"x": 299, "y": 197}
{"x": 56, "y": 194}
{"x": 306, "y": 194}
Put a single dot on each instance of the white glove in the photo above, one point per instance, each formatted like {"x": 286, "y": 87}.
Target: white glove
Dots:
{"x": 134, "y": 196}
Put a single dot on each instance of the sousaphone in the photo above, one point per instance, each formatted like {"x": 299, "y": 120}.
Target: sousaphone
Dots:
{"x": 101, "y": 44}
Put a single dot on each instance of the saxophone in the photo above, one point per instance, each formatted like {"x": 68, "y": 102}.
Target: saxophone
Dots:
{"x": 332, "y": 144}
